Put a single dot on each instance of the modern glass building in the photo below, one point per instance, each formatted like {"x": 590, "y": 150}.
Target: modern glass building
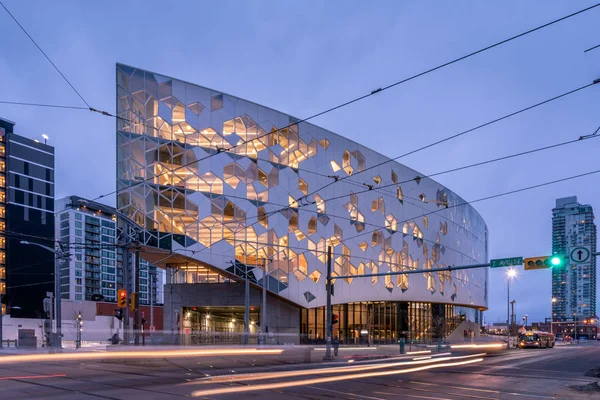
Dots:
{"x": 95, "y": 270}
{"x": 220, "y": 184}
{"x": 574, "y": 286}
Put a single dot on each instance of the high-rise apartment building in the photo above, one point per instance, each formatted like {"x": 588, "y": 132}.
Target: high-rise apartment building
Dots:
{"x": 26, "y": 214}
{"x": 574, "y": 286}
{"x": 95, "y": 270}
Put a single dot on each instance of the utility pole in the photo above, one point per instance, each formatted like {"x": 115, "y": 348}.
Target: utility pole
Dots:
{"x": 246, "y": 307}
{"x": 152, "y": 279}
{"x": 508, "y": 314}
{"x": 263, "y": 309}
{"x": 512, "y": 315}
{"x": 328, "y": 355}
{"x": 127, "y": 287}
{"x": 136, "y": 299}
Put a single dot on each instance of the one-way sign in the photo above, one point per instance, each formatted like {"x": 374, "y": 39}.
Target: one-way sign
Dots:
{"x": 579, "y": 254}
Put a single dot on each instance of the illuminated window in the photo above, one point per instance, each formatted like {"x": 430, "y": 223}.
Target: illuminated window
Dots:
{"x": 303, "y": 186}
{"x": 324, "y": 143}
{"x": 312, "y": 225}
{"x": 363, "y": 246}
{"x": 399, "y": 194}
{"x": 263, "y": 218}
{"x": 375, "y": 238}
{"x": 335, "y": 166}
{"x": 394, "y": 177}
{"x": 315, "y": 275}
{"x": 377, "y": 179}
{"x": 374, "y": 270}
{"x": 320, "y": 203}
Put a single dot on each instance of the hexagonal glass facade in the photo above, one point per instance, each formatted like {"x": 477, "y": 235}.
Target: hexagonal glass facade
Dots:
{"x": 180, "y": 178}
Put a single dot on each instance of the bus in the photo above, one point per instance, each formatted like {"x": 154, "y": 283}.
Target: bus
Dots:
{"x": 536, "y": 339}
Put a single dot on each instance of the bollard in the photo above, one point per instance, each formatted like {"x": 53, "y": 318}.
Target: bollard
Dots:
{"x": 401, "y": 343}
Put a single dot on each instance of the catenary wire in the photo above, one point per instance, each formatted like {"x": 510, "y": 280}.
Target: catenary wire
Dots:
{"x": 44, "y": 54}
{"x": 592, "y": 48}
{"x": 477, "y": 164}
{"x": 42, "y": 105}
{"x": 455, "y": 136}
{"x": 531, "y": 187}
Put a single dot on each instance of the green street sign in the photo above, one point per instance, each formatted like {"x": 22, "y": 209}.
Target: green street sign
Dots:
{"x": 506, "y": 262}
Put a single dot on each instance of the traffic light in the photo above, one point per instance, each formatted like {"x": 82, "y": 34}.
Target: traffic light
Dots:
{"x": 119, "y": 314}
{"x": 122, "y": 298}
{"x": 132, "y": 301}
{"x": 544, "y": 262}
{"x": 335, "y": 319}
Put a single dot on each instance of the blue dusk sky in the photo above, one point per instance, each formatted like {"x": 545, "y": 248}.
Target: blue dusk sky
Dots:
{"x": 305, "y": 56}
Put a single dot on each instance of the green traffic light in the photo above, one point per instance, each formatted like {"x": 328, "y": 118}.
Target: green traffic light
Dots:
{"x": 556, "y": 260}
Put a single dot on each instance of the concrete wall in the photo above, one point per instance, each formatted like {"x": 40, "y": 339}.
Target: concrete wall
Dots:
{"x": 458, "y": 335}
{"x": 283, "y": 319}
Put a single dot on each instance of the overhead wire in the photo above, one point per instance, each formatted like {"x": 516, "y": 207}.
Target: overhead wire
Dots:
{"x": 531, "y": 187}
{"x": 42, "y": 105}
{"x": 477, "y": 164}
{"x": 44, "y": 54}
{"x": 512, "y": 114}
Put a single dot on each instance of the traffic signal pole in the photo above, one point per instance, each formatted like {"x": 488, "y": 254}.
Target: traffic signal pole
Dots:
{"x": 136, "y": 303}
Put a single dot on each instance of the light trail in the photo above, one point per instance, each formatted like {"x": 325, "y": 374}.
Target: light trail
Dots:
{"x": 134, "y": 354}
{"x": 9, "y": 378}
{"x": 412, "y": 353}
{"x": 316, "y": 381}
{"x": 305, "y": 372}
{"x": 477, "y": 346}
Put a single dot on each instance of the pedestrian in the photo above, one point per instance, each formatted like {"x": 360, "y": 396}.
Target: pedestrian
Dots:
{"x": 336, "y": 345}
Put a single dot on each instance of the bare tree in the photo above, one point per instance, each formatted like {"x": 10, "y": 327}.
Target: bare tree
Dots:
{"x": 438, "y": 327}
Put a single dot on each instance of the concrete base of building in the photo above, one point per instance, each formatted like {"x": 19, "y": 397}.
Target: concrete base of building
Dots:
{"x": 213, "y": 313}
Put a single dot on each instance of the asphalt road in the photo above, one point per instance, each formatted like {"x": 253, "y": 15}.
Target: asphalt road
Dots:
{"x": 532, "y": 373}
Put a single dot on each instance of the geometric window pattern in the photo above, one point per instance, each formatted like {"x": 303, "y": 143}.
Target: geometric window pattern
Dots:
{"x": 183, "y": 181}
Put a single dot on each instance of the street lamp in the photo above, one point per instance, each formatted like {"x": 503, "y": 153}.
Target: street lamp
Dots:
{"x": 511, "y": 273}
{"x": 554, "y": 300}
{"x": 45, "y": 138}
{"x": 60, "y": 255}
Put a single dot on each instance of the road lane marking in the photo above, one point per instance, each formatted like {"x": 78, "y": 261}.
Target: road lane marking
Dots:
{"x": 414, "y": 395}
{"x": 346, "y": 393}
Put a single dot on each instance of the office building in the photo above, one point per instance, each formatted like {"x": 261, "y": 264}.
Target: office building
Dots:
{"x": 210, "y": 212}
{"x": 26, "y": 214}
{"x": 574, "y": 286}
{"x": 95, "y": 270}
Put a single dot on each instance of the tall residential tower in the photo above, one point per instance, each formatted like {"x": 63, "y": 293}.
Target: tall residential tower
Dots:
{"x": 26, "y": 214}
{"x": 574, "y": 235}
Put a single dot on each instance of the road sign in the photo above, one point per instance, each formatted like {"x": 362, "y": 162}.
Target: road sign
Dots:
{"x": 579, "y": 254}
{"x": 506, "y": 262}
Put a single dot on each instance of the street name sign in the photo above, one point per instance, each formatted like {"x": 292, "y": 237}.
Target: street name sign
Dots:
{"x": 506, "y": 262}
{"x": 579, "y": 254}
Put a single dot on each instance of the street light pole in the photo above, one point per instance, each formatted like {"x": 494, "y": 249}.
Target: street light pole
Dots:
{"x": 511, "y": 273}
{"x": 263, "y": 310}
{"x": 508, "y": 314}
{"x": 247, "y": 307}
{"x": 60, "y": 257}
{"x": 552, "y": 314}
